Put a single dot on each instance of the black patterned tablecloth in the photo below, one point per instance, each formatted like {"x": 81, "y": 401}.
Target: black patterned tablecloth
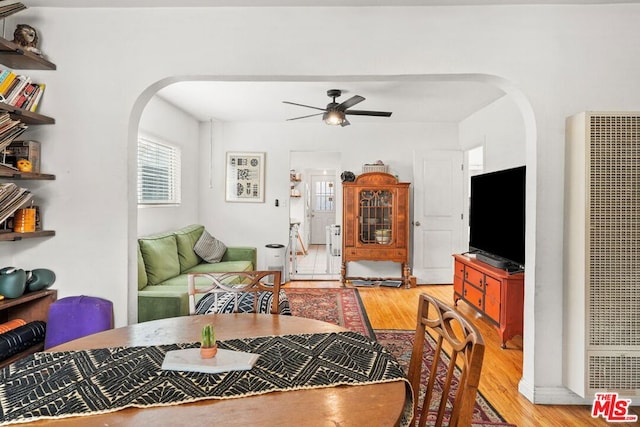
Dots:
{"x": 74, "y": 383}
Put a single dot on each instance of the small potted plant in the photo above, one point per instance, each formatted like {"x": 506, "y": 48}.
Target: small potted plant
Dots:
{"x": 208, "y": 347}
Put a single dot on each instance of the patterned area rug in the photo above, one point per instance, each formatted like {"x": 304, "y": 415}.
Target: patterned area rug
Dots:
{"x": 400, "y": 343}
{"x": 340, "y": 306}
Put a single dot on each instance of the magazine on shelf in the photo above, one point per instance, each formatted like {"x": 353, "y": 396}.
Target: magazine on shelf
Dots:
{"x": 7, "y": 139}
{"x": 12, "y": 198}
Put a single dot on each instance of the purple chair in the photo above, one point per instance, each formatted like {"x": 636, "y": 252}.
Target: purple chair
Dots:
{"x": 76, "y": 317}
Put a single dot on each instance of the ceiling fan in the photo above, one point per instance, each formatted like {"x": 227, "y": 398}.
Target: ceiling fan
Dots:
{"x": 335, "y": 114}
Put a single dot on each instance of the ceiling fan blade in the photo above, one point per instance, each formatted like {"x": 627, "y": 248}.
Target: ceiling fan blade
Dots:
{"x": 302, "y": 105}
{"x": 304, "y": 117}
{"x": 345, "y": 122}
{"x": 355, "y": 99}
{"x": 368, "y": 113}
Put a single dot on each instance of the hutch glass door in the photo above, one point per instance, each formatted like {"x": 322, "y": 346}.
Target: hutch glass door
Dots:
{"x": 376, "y": 214}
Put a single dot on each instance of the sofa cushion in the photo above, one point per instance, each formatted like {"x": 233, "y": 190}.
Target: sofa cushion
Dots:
{"x": 186, "y": 239}
{"x": 159, "y": 304}
{"x": 160, "y": 255}
{"x": 222, "y": 267}
{"x": 142, "y": 273}
{"x": 209, "y": 248}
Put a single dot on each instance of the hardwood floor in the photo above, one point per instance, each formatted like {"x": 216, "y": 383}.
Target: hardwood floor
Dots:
{"x": 391, "y": 308}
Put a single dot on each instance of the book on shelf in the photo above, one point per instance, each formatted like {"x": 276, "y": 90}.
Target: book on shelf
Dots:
{"x": 34, "y": 102}
{"x": 19, "y": 91}
{"x": 8, "y": 92}
{"x": 22, "y": 82}
{"x": 3, "y": 76}
{"x": 6, "y": 83}
{"x": 26, "y": 94}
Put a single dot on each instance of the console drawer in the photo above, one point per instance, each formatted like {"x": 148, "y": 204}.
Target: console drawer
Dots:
{"x": 475, "y": 277}
{"x": 474, "y": 296}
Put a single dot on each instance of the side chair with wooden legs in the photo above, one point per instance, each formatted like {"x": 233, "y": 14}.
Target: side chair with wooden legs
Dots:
{"x": 462, "y": 341}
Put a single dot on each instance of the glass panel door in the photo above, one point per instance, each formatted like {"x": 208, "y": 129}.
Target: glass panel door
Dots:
{"x": 375, "y": 207}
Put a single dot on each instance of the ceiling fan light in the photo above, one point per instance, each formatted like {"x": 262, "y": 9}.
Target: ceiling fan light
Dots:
{"x": 333, "y": 117}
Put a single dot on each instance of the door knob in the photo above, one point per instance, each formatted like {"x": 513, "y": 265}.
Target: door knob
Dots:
{"x": 417, "y": 223}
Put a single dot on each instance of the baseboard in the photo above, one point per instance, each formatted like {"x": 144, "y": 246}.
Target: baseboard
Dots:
{"x": 526, "y": 390}
{"x": 551, "y": 395}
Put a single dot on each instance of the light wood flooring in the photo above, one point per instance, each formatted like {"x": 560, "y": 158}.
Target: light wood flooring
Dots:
{"x": 391, "y": 308}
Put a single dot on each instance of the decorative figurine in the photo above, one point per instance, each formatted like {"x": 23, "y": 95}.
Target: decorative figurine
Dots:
{"x": 24, "y": 165}
{"x": 27, "y": 37}
{"x": 348, "y": 176}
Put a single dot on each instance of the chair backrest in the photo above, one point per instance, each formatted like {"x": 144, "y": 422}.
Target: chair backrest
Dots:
{"x": 461, "y": 340}
{"x": 236, "y": 285}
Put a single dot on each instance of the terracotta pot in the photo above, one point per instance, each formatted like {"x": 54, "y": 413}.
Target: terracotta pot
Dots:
{"x": 208, "y": 352}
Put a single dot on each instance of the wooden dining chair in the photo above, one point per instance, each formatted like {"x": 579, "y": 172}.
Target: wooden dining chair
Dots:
{"x": 237, "y": 292}
{"x": 458, "y": 380}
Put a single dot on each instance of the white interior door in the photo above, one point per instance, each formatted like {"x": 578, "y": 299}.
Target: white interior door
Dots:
{"x": 323, "y": 206}
{"x": 438, "y": 220}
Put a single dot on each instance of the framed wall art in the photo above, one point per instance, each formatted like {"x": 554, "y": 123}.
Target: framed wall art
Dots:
{"x": 244, "y": 177}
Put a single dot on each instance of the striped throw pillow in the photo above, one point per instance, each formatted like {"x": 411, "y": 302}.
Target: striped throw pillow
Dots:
{"x": 209, "y": 248}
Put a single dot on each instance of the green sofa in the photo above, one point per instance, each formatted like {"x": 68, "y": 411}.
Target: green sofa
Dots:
{"x": 163, "y": 263}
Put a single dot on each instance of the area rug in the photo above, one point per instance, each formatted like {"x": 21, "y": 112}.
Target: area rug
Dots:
{"x": 340, "y": 306}
{"x": 400, "y": 343}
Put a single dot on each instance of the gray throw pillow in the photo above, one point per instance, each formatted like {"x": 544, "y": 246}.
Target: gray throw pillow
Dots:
{"x": 209, "y": 248}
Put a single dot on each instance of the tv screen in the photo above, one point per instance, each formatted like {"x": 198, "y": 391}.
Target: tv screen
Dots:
{"x": 497, "y": 214}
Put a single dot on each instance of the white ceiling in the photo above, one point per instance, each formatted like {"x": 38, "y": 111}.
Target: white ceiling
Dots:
{"x": 409, "y": 101}
{"x": 303, "y": 3}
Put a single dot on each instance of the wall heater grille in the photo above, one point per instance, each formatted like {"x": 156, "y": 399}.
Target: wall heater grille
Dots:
{"x": 613, "y": 253}
{"x": 614, "y": 294}
{"x": 620, "y": 372}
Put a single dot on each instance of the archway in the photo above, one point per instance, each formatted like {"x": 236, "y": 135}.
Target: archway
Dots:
{"x": 518, "y": 98}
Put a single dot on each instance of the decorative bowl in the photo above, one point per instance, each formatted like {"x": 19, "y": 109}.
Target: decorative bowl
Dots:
{"x": 383, "y": 236}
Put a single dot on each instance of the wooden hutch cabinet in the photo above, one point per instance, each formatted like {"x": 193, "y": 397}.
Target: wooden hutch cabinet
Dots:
{"x": 495, "y": 293}
{"x": 375, "y": 222}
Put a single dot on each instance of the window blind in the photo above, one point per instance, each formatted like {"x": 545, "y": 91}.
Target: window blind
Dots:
{"x": 158, "y": 173}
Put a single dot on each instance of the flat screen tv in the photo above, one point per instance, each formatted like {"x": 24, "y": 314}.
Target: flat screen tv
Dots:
{"x": 497, "y": 217}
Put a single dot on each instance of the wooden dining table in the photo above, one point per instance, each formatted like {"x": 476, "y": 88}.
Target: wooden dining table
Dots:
{"x": 379, "y": 404}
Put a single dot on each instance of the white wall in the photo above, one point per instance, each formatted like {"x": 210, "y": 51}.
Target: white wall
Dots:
{"x": 163, "y": 122}
{"x": 244, "y": 223}
{"x": 558, "y": 59}
{"x": 499, "y": 128}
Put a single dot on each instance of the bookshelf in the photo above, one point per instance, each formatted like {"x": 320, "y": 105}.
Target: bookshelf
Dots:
{"x": 32, "y": 305}
{"x": 29, "y": 307}
{"x": 10, "y": 236}
{"x": 15, "y": 57}
{"x": 25, "y": 116}
{"x": 6, "y": 173}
